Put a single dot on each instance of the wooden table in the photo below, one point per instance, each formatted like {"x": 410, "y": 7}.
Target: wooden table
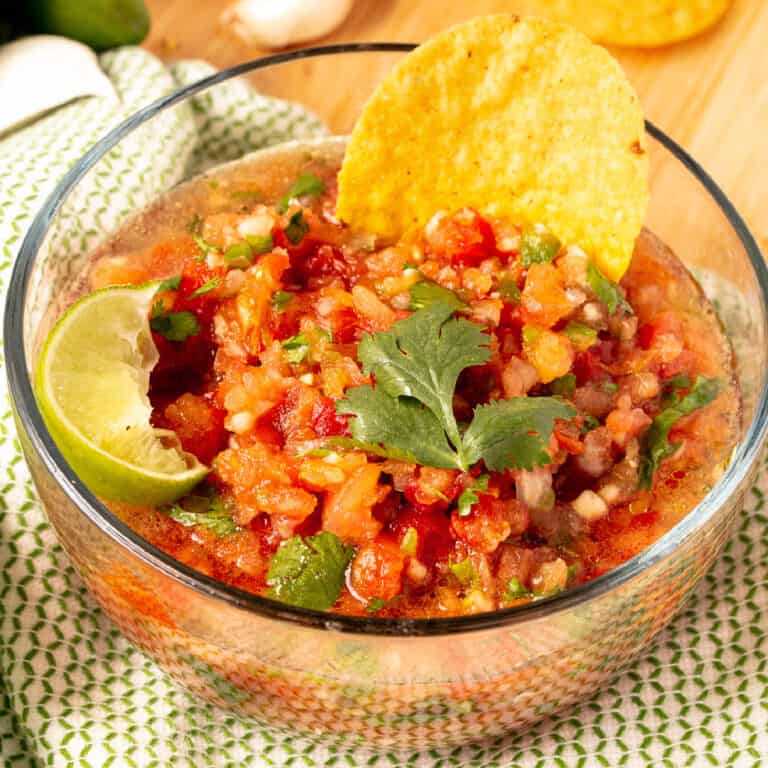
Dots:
{"x": 710, "y": 93}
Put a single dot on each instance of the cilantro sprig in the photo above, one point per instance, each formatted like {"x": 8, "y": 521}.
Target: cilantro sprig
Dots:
{"x": 306, "y": 185}
{"x": 169, "y": 284}
{"x": 376, "y": 604}
{"x": 309, "y": 572}
{"x": 296, "y": 348}
{"x": 671, "y": 392}
{"x": 206, "y": 287}
{"x": 296, "y": 228}
{"x": 417, "y": 363}
{"x": 408, "y": 415}
{"x": 606, "y": 291}
{"x": 394, "y": 427}
{"x": 656, "y": 446}
{"x": 514, "y": 433}
{"x": 209, "y": 513}
{"x": 427, "y": 292}
{"x": 563, "y": 385}
{"x": 174, "y": 326}
{"x": 468, "y": 496}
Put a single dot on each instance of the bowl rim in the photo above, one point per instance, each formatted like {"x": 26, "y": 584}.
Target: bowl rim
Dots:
{"x": 32, "y": 426}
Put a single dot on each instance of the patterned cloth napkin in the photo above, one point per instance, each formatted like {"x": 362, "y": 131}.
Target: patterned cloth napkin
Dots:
{"x": 73, "y": 692}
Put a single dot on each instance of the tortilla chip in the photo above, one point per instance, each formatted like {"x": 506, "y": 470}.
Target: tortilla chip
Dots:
{"x": 522, "y": 118}
{"x": 642, "y": 23}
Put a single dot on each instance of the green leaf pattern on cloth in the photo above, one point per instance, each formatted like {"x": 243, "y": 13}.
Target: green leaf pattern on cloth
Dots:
{"x": 75, "y": 693}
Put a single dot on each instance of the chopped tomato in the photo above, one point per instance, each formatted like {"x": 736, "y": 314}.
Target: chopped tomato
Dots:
{"x": 199, "y": 425}
{"x": 377, "y": 569}
{"x": 182, "y": 365}
{"x": 645, "y": 334}
{"x": 588, "y": 367}
{"x": 291, "y": 417}
{"x": 346, "y": 326}
{"x": 544, "y": 300}
{"x": 433, "y": 536}
{"x": 326, "y": 421}
{"x": 464, "y": 238}
{"x": 198, "y": 278}
{"x": 490, "y": 522}
{"x": 568, "y": 437}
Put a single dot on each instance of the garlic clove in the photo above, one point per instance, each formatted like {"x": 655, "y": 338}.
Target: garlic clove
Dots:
{"x": 273, "y": 24}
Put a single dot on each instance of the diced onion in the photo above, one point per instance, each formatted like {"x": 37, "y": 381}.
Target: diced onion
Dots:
{"x": 589, "y": 506}
{"x": 534, "y": 488}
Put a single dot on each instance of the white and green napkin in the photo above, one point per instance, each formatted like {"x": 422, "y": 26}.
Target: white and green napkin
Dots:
{"x": 73, "y": 692}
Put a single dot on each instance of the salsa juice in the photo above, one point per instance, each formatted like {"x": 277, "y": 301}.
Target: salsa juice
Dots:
{"x": 259, "y": 325}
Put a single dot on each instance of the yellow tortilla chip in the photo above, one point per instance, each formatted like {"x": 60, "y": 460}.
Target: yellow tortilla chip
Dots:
{"x": 523, "y": 118}
{"x": 642, "y": 23}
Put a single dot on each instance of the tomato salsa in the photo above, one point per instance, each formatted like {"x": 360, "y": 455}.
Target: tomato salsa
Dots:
{"x": 467, "y": 420}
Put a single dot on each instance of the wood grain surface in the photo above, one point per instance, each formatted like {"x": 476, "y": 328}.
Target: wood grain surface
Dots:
{"x": 710, "y": 93}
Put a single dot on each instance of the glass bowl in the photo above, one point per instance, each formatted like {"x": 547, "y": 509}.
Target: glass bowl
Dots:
{"x": 400, "y": 683}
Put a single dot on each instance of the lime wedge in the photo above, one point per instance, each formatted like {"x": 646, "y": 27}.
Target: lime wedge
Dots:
{"x": 91, "y": 384}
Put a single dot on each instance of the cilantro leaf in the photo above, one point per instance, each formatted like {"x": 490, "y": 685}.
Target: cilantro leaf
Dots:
{"x": 421, "y": 357}
{"x": 606, "y": 291}
{"x": 563, "y": 385}
{"x": 681, "y": 381}
{"x": 204, "y": 246}
{"x": 213, "y": 515}
{"x": 409, "y": 414}
{"x": 468, "y": 496}
{"x": 306, "y": 184}
{"x": 296, "y": 228}
{"x": 671, "y": 392}
{"x": 537, "y": 247}
{"x": 174, "y": 326}
{"x": 169, "y": 284}
{"x": 280, "y": 300}
{"x": 426, "y": 292}
{"x": 396, "y": 427}
{"x": 590, "y": 423}
{"x": 206, "y": 287}
{"x": 375, "y": 604}
{"x": 296, "y": 348}
{"x": 309, "y": 572}
{"x": 655, "y": 445}
{"x": 514, "y": 433}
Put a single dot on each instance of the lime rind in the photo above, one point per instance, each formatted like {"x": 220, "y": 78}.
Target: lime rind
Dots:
{"x": 92, "y": 383}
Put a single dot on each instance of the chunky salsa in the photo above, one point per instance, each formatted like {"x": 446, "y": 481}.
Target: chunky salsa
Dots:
{"x": 470, "y": 419}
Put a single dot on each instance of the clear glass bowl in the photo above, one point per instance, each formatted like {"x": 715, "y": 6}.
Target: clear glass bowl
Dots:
{"x": 408, "y": 683}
